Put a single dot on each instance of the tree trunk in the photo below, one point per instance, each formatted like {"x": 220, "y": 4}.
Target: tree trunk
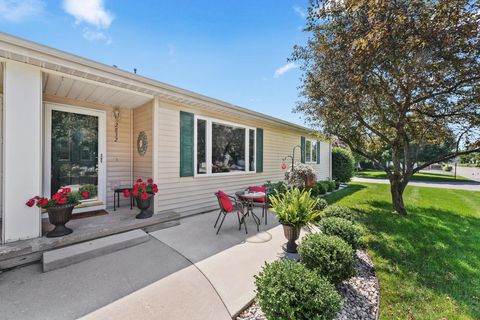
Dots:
{"x": 397, "y": 188}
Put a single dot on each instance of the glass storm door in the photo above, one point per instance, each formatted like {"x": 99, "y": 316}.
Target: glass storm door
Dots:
{"x": 74, "y": 149}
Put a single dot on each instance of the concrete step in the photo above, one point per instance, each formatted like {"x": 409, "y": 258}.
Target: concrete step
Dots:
{"x": 66, "y": 256}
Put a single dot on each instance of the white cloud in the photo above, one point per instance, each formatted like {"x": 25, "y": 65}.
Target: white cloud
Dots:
{"x": 283, "y": 69}
{"x": 17, "y": 10}
{"x": 93, "y": 35}
{"x": 89, "y": 11}
{"x": 300, "y": 11}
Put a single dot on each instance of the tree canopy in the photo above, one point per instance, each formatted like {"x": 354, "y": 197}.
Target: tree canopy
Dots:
{"x": 394, "y": 76}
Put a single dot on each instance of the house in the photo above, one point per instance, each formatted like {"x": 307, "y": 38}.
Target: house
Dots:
{"x": 67, "y": 120}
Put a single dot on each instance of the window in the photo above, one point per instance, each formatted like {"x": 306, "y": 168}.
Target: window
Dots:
{"x": 251, "y": 150}
{"x": 201, "y": 146}
{"x": 223, "y": 147}
{"x": 311, "y": 151}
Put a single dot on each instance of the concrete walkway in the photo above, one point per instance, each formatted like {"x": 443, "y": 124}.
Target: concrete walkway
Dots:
{"x": 470, "y": 186}
{"x": 229, "y": 271}
{"x": 184, "y": 272}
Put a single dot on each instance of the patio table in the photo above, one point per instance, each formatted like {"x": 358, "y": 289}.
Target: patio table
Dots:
{"x": 248, "y": 199}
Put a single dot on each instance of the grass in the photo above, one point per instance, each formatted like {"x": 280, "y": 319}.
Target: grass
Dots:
{"x": 421, "y": 176}
{"x": 428, "y": 263}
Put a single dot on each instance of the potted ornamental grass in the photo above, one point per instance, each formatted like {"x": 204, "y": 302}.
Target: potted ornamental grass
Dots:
{"x": 295, "y": 209}
{"x": 143, "y": 192}
{"x": 59, "y": 208}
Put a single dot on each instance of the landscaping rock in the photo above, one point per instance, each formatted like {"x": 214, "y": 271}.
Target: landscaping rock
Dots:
{"x": 360, "y": 294}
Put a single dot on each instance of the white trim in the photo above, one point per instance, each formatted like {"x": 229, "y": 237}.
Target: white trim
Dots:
{"x": 102, "y": 149}
{"x": 155, "y": 115}
{"x": 208, "y": 152}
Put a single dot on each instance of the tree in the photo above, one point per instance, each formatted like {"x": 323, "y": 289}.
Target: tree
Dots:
{"x": 388, "y": 76}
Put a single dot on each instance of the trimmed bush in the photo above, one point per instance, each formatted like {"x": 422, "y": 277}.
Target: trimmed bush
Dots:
{"x": 322, "y": 204}
{"x": 287, "y": 290}
{"x": 321, "y": 188}
{"x": 343, "y": 164}
{"x": 342, "y": 228}
{"x": 331, "y": 186}
{"x": 328, "y": 256}
{"x": 339, "y": 212}
{"x": 337, "y": 184}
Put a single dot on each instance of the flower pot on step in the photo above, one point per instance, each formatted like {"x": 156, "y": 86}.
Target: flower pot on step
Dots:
{"x": 59, "y": 215}
{"x": 292, "y": 233}
{"x": 144, "y": 206}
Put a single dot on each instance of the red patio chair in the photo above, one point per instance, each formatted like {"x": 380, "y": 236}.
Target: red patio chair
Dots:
{"x": 229, "y": 204}
{"x": 260, "y": 202}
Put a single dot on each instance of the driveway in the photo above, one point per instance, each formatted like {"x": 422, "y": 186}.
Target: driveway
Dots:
{"x": 470, "y": 186}
{"x": 183, "y": 272}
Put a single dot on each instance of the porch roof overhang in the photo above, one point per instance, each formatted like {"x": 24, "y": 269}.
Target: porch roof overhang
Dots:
{"x": 60, "y": 63}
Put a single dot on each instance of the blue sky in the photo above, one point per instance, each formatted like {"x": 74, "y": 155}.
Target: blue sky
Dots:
{"x": 235, "y": 51}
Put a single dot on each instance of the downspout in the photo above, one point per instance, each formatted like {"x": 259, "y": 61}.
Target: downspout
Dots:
{"x": 330, "y": 159}
{"x": 131, "y": 146}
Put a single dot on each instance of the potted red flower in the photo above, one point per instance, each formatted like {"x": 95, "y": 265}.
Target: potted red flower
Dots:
{"x": 143, "y": 193}
{"x": 59, "y": 208}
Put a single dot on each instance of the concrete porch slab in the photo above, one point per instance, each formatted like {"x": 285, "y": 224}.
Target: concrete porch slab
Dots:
{"x": 22, "y": 252}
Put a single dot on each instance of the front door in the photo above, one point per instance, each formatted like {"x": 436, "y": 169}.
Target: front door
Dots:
{"x": 74, "y": 151}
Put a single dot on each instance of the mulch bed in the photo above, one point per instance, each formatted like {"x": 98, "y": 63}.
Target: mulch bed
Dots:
{"x": 361, "y": 294}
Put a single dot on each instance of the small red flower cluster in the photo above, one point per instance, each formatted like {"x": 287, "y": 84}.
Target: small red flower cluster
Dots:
{"x": 61, "y": 197}
{"x": 141, "y": 189}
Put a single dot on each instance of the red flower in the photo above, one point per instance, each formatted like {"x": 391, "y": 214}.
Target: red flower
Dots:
{"x": 144, "y": 186}
{"x": 139, "y": 180}
{"x": 86, "y": 194}
{"x": 135, "y": 192}
{"x": 57, "y": 196}
{"x": 62, "y": 200}
{"x": 66, "y": 190}
{"x": 42, "y": 202}
{"x": 144, "y": 196}
{"x": 30, "y": 203}
{"x": 150, "y": 180}
{"x": 154, "y": 188}
{"x": 135, "y": 187}
{"x": 126, "y": 193}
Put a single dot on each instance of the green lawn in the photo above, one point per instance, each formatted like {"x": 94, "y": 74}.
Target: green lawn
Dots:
{"x": 428, "y": 263}
{"x": 421, "y": 176}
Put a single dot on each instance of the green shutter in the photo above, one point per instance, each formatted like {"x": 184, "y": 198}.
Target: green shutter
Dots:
{"x": 186, "y": 143}
{"x": 318, "y": 152}
{"x": 259, "y": 150}
{"x": 302, "y": 145}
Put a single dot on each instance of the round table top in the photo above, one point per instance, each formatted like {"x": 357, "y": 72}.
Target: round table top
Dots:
{"x": 251, "y": 195}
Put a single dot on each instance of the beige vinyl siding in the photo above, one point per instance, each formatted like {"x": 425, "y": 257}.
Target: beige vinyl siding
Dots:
{"x": 119, "y": 160}
{"x": 142, "y": 121}
{"x": 189, "y": 195}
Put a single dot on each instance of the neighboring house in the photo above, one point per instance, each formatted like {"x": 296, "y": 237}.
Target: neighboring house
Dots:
{"x": 72, "y": 121}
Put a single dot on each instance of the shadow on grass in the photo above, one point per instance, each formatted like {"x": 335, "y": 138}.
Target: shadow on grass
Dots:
{"x": 433, "y": 248}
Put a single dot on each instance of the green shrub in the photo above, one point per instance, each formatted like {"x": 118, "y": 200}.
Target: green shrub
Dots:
{"x": 295, "y": 207}
{"x": 273, "y": 187}
{"x": 287, "y": 290}
{"x": 342, "y": 228}
{"x": 321, "y": 188}
{"x": 328, "y": 256}
{"x": 331, "y": 186}
{"x": 339, "y": 212}
{"x": 343, "y": 164}
{"x": 321, "y": 204}
{"x": 337, "y": 184}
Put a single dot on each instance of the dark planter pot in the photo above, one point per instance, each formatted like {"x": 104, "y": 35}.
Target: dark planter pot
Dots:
{"x": 144, "y": 206}
{"x": 291, "y": 233}
{"x": 59, "y": 215}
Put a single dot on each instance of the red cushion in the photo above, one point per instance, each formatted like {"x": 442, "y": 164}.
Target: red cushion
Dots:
{"x": 225, "y": 201}
{"x": 258, "y": 189}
